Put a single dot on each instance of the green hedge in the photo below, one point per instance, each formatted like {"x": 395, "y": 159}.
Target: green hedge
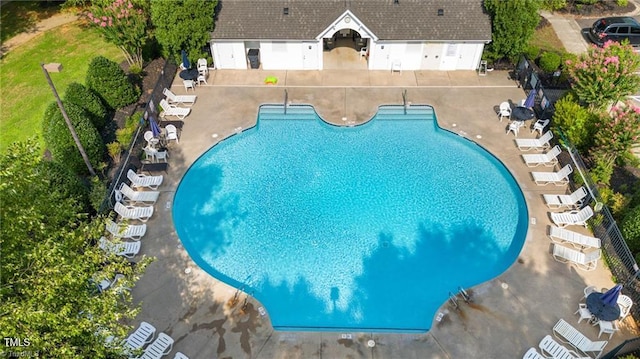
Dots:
{"x": 630, "y": 229}
{"x": 107, "y": 79}
{"x": 63, "y": 180}
{"x": 82, "y": 96}
{"x": 60, "y": 142}
{"x": 550, "y": 61}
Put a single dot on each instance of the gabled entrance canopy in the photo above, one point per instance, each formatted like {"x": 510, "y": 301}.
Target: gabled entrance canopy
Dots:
{"x": 347, "y": 21}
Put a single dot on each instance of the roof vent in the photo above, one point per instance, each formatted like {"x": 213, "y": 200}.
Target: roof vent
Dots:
{"x": 396, "y": 2}
{"x": 440, "y": 12}
{"x": 285, "y": 11}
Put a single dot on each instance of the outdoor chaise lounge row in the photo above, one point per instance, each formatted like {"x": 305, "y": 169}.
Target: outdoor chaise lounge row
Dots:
{"x": 559, "y": 235}
{"x": 171, "y": 104}
{"x": 582, "y": 346}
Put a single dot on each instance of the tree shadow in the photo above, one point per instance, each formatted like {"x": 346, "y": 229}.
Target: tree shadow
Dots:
{"x": 23, "y": 16}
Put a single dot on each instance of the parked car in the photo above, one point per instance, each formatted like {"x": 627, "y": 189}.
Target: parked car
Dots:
{"x": 615, "y": 29}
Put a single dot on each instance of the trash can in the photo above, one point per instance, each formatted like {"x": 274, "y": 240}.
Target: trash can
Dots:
{"x": 254, "y": 58}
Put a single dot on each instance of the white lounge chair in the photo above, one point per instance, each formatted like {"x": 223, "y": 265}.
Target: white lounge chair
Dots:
{"x": 566, "y": 200}
{"x": 130, "y": 231}
{"x": 159, "y": 348}
{"x": 174, "y": 99}
{"x": 131, "y": 212}
{"x": 572, "y": 217}
{"x": 173, "y": 110}
{"x": 548, "y": 159}
{"x": 578, "y": 240}
{"x": 124, "y": 249}
{"x": 141, "y": 180}
{"x": 585, "y": 261}
{"x": 526, "y": 144}
{"x": 559, "y": 178}
{"x": 128, "y": 195}
{"x": 142, "y": 336}
{"x": 568, "y": 334}
{"x": 532, "y": 353}
{"x": 557, "y": 351}
{"x": 625, "y": 303}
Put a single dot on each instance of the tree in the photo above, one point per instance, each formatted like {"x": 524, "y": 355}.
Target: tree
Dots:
{"x": 604, "y": 75}
{"x": 616, "y": 133}
{"x": 183, "y": 25}
{"x": 80, "y": 95}
{"x": 124, "y": 23}
{"x": 576, "y": 122}
{"x": 49, "y": 268}
{"x": 513, "y": 23}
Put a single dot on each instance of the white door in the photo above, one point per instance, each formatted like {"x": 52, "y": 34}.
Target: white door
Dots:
{"x": 450, "y": 57}
{"x": 310, "y": 55}
{"x": 431, "y": 56}
{"x": 226, "y": 56}
{"x": 379, "y": 57}
{"x": 468, "y": 57}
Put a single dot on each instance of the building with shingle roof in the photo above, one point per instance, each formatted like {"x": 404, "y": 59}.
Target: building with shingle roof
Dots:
{"x": 298, "y": 34}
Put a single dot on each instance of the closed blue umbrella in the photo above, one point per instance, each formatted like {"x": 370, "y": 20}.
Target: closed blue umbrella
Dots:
{"x": 155, "y": 129}
{"x": 610, "y": 297}
{"x": 185, "y": 60}
{"x": 531, "y": 99}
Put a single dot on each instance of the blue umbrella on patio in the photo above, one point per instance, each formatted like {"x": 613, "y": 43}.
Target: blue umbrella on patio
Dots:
{"x": 610, "y": 297}
{"x": 185, "y": 60}
{"x": 155, "y": 129}
{"x": 531, "y": 99}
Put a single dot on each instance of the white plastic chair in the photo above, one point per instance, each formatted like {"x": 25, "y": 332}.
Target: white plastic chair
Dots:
{"x": 540, "y": 125}
{"x": 625, "y": 303}
{"x": 201, "y": 79}
{"x": 607, "y": 327}
{"x": 588, "y": 290}
{"x": 396, "y": 66}
{"x": 584, "y": 312}
{"x": 162, "y": 156}
{"x": 148, "y": 135}
{"x": 189, "y": 84}
{"x": 363, "y": 52}
{"x": 504, "y": 111}
{"x": 150, "y": 153}
{"x": 202, "y": 66}
{"x": 172, "y": 133}
{"x": 515, "y": 127}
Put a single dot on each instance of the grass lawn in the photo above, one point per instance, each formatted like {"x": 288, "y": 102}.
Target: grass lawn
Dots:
{"x": 545, "y": 38}
{"x": 24, "y": 92}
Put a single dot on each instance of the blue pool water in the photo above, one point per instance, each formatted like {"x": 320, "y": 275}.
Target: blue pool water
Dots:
{"x": 363, "y": 228}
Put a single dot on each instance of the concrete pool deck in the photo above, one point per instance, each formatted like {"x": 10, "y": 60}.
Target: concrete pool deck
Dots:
{"x": 510, "y": 313}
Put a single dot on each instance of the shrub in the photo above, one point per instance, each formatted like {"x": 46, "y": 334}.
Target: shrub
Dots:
{"x": 553, "y": 5}
{"x": 114, "y": 149}
{"x": 98, "y": 193}
{"x": 107, "y": 79}
{"x": 60, "y": 142}
{"x": 617, "y": 202}
{"x": 80, "y": 95}
{"x": 531, "y": 52}
{"x": 602, "y": 171}
{"x": 64, "y": 181}
{"x": 576, "y": 122}
{"x": 587, "y": 2}
{"x": 550, "y": 61}
{"x": 630, "y": 228}
{"x": 125, "y": 135}
{"x": 622, "y": 3}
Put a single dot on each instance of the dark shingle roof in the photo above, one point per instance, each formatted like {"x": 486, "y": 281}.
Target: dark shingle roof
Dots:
{"x": 408, "y": 20}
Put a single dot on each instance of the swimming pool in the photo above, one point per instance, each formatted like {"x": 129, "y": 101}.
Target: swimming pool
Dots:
{"x": 364, "y": 228}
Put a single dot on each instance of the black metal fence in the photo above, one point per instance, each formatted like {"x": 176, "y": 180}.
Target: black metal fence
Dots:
{"x": 619, "y": 258}
{"x": 130, "y": 158}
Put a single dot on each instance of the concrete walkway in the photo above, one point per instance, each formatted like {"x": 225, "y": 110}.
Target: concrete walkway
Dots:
{"x": 511, "y": 312}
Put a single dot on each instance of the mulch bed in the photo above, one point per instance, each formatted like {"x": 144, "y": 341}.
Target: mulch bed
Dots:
{"x": 602, "y": 8}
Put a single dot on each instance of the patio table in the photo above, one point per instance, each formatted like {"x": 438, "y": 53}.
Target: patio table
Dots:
{"x": 521, "y": 113}
{"x": 601, "y": 310}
